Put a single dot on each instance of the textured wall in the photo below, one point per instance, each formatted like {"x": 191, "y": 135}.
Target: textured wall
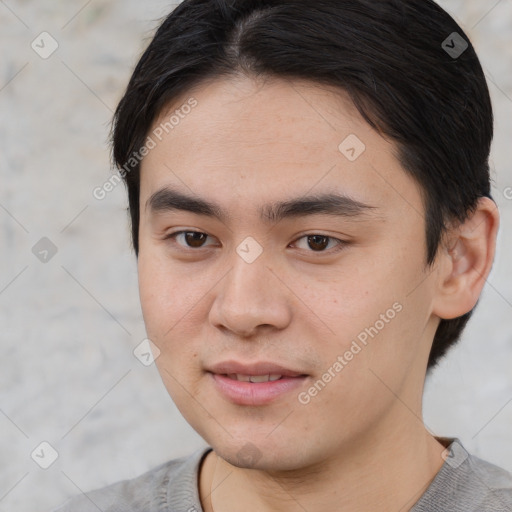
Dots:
{"x": 69, "y": 324}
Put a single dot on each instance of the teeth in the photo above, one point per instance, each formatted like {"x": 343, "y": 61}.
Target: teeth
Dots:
{"x": 259, "y": 378}
{"x": 254, "y": 378}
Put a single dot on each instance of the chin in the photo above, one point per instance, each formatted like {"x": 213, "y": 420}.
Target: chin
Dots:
{"x": 261, "y": 456}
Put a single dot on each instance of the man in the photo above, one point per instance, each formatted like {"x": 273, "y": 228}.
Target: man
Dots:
{"x": 311, "y": 213}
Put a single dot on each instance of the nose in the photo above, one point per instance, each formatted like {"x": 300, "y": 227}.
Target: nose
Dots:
{"x": 251, "y": 298}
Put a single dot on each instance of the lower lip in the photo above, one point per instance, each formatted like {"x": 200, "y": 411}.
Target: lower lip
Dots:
{"x": 255, "y": 393}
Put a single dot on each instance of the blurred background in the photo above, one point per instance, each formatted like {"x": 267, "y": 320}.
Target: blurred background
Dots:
{"x": 69, "y": 308}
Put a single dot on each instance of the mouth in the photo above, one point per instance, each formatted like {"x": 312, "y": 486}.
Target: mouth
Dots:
{"x": 254, "y": 384}
{"x": 254, "y": 378}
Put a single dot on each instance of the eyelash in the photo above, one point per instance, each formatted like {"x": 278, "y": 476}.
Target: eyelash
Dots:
{"x": 340, "y": 247}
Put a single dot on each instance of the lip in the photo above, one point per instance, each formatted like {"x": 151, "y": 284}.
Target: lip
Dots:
{"x": 254, "y": 393}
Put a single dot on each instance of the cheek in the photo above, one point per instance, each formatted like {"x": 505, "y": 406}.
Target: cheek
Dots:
{"x": 171, "y": 307}
{"x": 161, "y": 295}
{"x": 151, "y": 290}
{"x": 373, "y": 317}
{"x": 350, "y": 302}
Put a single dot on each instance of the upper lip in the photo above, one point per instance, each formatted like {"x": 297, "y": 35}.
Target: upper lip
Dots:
{"x": 253, "y": 368}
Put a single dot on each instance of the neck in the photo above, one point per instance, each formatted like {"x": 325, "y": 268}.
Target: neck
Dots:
{"x": 385, "y": 472}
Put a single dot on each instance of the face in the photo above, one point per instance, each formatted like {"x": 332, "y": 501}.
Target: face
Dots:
{"x": 324, "y": 302}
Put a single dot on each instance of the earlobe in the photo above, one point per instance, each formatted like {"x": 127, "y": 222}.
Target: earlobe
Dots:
{"x": 466, "y": 261}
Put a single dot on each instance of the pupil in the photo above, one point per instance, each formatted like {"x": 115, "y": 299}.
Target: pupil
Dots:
{"x": 317, "y": 240}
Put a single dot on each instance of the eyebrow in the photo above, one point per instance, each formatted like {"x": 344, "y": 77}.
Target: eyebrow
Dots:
{"x": 167, "y": 199}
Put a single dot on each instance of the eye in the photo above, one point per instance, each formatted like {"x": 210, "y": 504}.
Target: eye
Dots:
{"x": 192, "y": 239}
{"x": 318, "y": 242}
{"x": 315, "y": 241}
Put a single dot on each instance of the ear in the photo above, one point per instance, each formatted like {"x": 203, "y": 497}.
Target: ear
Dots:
{"x": 465, "y": 259}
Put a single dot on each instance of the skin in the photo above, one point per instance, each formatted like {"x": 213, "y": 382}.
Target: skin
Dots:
{"x": 360, "y": 444}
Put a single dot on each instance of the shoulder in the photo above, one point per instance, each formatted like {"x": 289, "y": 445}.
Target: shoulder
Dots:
{"x": 495, "y": 485}
{"x": 175, "y": 480}
{"x": 467, "y": 483}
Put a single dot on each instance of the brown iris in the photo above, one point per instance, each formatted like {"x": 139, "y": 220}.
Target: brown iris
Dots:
{"x": 194, "y": 238}
{"x": 318, "y": 242}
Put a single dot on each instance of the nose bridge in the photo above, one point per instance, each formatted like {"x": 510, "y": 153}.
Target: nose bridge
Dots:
{"x": 250, "y": 295}
{"x": 250, "y": 279}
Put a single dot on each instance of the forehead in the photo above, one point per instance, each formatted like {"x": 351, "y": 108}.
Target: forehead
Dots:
{"x": 269, "y": 139}
{"x": 263, "y": 113}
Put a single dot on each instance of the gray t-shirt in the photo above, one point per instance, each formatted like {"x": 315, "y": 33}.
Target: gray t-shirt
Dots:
{"x": 464, "y": 483}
